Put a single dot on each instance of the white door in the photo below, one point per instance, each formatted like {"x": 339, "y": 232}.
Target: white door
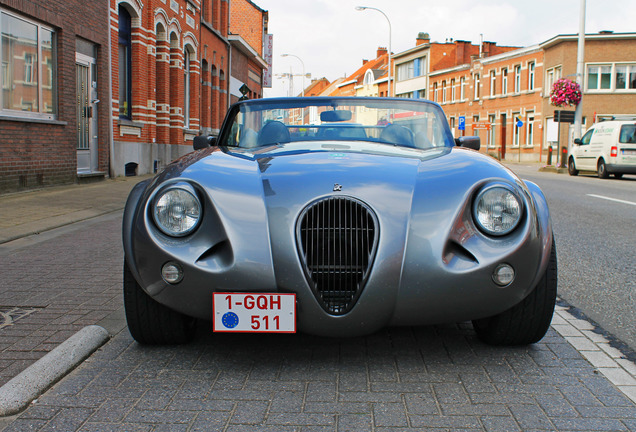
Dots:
{"x": 86, "y": 94}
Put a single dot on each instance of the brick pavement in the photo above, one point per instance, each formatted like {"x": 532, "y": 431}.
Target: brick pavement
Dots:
{"x": 431, "y": 378}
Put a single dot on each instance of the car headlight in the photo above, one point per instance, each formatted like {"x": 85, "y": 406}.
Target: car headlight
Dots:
{"x": 497, "y": 210}
{"x": 177, "y": 211}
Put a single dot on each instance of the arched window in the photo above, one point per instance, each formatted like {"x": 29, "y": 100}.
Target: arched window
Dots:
{"x": 186, "y": 89}
{"x": 125, "y": 64}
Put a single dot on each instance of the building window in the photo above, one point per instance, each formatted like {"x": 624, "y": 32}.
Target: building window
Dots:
{"x": 411, "y": 69}
{"x": 626, "y": 77}
{"x": 462, "y": 88}
{"x": 453, "y": 92}
{"x": 552, "y": 75}
{"x": 29, "y": 87}
{"x": 516, "y": 130}
{"x": 444, "y": 91}
{"x": 504, "y": 81}
{"x": 435, "y": 99}
{"x": 477, "y": 85}
{"x": 531, "y": 66}
{"x": 368, "y": 78}
{"x": 491, "y": 132}
{"x": 518, "y": 79}
{"x": 422, "y": 93}
{"x": 125, "y": 64}
{"x": 529, "y": 129}
{"x": 186, "y": 88}
{"x": 599, "y": 77}
{"x": 493, "y": 83}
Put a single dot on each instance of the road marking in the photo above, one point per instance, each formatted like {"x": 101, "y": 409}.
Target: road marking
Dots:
{"x": 612, "y": 199}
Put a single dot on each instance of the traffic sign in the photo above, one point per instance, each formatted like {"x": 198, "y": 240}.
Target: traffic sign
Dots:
{"x": 461, "y": 123}
{"x": 519, "y": 122}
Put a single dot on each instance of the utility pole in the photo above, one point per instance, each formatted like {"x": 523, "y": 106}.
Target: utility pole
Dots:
{"x": 580, "y": 73}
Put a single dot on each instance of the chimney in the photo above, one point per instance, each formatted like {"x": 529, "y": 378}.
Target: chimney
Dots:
{"x": 364, "y": 61}
{"x": 381, "y": 51}
{"x": 462, "y": 53}
{"x": 422, "y": 38}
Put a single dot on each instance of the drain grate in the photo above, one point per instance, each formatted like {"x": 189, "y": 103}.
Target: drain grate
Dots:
{"x": 9, "y": 315}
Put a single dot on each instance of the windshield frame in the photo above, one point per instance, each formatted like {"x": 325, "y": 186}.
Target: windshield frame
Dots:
{"x": 403, "y": 104}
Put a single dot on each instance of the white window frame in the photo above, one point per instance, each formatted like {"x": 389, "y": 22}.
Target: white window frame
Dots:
{"x": 462, "y": 88}
{"x": 530, "y": 129}
{"x": 552, "y": 75}
{"x": 515, "y": 130}
{"x": 531, "y": 74}
{"x": 492, "y": 118}
{"x": 493, "y": 82}
{"x": 517, "y": 79}
{"x": 504, "y": 81}
{"x": 444, "y": 91}
{"x": 36, "y": 70}
{"x": 630, "y": 69}
{"x": 453, "y": 92}
{"x": 477, "y": 84}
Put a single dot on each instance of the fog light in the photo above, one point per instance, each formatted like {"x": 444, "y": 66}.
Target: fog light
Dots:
{"x": 503, "y": 275}
{"x": 172, "y": 272}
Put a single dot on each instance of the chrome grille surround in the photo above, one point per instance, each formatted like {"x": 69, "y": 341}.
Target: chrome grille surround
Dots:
{"x": 337, "y": 238}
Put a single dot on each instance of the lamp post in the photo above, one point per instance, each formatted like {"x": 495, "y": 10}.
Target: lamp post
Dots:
{"x": 303, "y": 64}
{"x": 361, "y": 8}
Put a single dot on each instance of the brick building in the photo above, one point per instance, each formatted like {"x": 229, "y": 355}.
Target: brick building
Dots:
{"x": 370, "y": 79}
{"x": 502, "y": 93}
{"x": 248, "y": 26}
{"x": 159, "y": 83}
{"x": 609, "y": 83}
{"x": 53, "y": 127}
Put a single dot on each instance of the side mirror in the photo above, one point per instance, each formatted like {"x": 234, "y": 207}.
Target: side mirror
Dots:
{"x": 578, "y": 141}
{"x": 200, "y": 142}
{"x": 471, "y": 142}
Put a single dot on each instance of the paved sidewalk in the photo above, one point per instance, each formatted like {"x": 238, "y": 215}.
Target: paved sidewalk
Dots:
{"x": 32, "y": 212}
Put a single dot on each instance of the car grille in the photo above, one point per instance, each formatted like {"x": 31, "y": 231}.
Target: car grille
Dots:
{"x": 337, "y": 238}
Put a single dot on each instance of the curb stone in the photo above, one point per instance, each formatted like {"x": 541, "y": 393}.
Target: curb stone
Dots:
{"x": 16, "y": 394}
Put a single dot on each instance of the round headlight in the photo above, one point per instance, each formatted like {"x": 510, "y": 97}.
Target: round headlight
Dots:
{"x": 497, "y": 210}
{"x": 177, "y": 212}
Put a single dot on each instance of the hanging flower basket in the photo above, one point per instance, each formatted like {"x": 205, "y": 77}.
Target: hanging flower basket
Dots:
{"x": 565, "y": 92}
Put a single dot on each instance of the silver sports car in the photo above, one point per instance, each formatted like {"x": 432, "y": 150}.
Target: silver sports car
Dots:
{"x": 337, "y": 217}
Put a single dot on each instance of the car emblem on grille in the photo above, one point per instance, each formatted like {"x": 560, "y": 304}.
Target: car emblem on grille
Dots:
{"x": 337, "y": 187}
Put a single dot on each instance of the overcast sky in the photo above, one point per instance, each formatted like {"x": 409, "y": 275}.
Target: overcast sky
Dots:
{"x": 332, "y": 38}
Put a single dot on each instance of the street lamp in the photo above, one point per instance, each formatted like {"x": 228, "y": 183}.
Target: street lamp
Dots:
{"x": 302, "y": 63}
{"x": 361, "y": 8}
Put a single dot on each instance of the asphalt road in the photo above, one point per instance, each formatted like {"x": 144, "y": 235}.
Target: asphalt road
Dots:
{"x": 594, "y": 224}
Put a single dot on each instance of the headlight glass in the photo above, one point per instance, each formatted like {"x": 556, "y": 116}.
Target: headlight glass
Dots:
{"x": 177, "y": 212}
{"x": 497, "y": 210}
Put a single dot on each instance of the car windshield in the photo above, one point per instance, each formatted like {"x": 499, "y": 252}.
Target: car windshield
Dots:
{"x": 397, "y": 122}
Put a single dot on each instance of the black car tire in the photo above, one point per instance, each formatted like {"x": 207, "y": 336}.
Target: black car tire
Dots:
{"x": 572, "y": 168}
{"x": 528, "y": 321}
{"x": 150, "y": 322}
{"x": 602, "y": 169}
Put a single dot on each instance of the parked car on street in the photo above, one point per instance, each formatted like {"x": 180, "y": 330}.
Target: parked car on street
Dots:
{"x": 608, "y": 147}
{"x": 337, "y": 217}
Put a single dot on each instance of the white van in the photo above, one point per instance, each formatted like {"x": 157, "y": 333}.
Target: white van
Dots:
{"x": 608, "y": 148}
